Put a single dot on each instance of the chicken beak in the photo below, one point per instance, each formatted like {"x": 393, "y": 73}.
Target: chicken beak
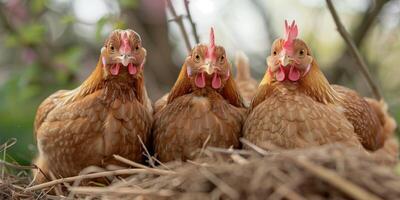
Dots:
{"x": 209, "y": 69}
{"x": 125, "y": 60}
{"x": 284, "y": 59}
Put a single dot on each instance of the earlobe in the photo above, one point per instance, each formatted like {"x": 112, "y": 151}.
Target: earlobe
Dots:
{"x": 308, "y": 66}
{"x": 102, "y": 49}
{"x": 189, "y": 71}
{"x": 103, "y": 60}
{"x": 228, "y": 74}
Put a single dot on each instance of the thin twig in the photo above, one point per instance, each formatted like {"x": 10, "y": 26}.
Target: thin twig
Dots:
{"x": 288, "y": 193}
{"x": 3, "y": 148}
{"x": 160, "y": 163}
{"x": 151, "y": 162}
{"x": 179, "y": 21}
{"x": 336, "y": 180}
{"x": 98, "y": 175}
{"x": 205, "y": 145}
{"x": 4, "y": 163}
{"x": 354, "y": 51}
{"x": 225, "y": 188}
{"x": 134, "y": 164}
{"x": 129, "y": 162}
{"x": 192, "y": 23}
{"x": 231, "y": 151}
{"x": 254, "y": 147}
{"x": 239, "y": 159}
{"x": 120, "y": 191}
{"x": 8, "y": 144}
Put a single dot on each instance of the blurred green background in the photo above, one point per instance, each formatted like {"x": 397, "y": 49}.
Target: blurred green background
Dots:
{"x": 47, "y": 45}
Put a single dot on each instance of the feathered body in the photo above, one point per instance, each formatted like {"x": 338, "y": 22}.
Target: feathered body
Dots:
{"x": 102, "y": 117}
{"x": 203, "y": 108}
{"x": 287, "y": 115}
{"x": 295, "y": 106}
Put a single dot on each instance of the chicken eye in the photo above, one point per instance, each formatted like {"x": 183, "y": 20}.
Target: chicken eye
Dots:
{"x": 302, "y": 52}
{"x": 197, "y": 58}
{"x": 274, "y": 53}
{"x": 222, "y": 59}
{"x": 137, "y": 47}
{"x": 112, "y": 48}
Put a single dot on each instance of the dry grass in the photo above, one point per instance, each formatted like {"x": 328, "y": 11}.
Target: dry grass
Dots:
{"x": 326, "y": 172}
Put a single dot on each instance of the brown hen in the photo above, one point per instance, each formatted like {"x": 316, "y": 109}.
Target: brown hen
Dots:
{"x": 203, "y": 108}
{"x": 295, "y": 106}
{"x": 315, "y": 112}
{"x": 104, "y": 116}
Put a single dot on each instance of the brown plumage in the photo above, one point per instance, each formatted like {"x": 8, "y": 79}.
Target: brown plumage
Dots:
{"x": 102, "y": 117}
{"x": 363, "y": 117}
{"x": 246, "y": 85}
{"x": 390, "y": 147}
{"x": 203, "y": 108}
{"x": 291, "y": 67}
{"x": 295, "y": 105}
{"x": 282, "y": 116}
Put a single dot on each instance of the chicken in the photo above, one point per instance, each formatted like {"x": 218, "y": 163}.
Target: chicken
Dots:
{"x": 104, "y": 116}
{"x": 203, "y": 108}
{"x": 362, "y": 116}
{"x": 390, "y": 149}
{"x": 295, "y": 106}
{"x": 247, "y": 86}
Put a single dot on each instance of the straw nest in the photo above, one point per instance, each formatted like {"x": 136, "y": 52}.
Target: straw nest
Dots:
{"x": 326, "y": 172}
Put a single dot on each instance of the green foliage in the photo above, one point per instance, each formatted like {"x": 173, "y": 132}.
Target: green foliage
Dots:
{"x": 38, "y": 6}
{"x": 32, "y": 33}
{"x": 17, "y": 108}
{"x": 68, "y": 62}
{"x": 119, "y": 24}
{"x": 99, "y": 27}
{"x": 11, "y": 40}
{"x": 68, "y": 19}
{"x": 132, "y": 4}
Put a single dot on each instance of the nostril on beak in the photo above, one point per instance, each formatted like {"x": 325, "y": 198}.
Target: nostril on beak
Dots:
{"x": 209, "y": 69}
{"x": 125, "y": 60}
{"x": 284, "y": 61}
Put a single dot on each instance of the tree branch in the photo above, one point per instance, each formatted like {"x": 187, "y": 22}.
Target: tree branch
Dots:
{"x": 368, "y": 20}
{"x": 360, "y": 32}
{"x": 353, "y": 50}
{"x": 179, "y": 21}
{"x": 193, "y": 24}
{"x": 267, "y": 20}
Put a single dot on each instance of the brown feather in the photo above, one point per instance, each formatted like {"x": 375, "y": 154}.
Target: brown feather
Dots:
{"x": 181, "y": 87}
{"x": 183, "y": 126}
{"x": 231, "y": 93}
{"x": 102, "y": 117}
{"x": 288, "y": 118}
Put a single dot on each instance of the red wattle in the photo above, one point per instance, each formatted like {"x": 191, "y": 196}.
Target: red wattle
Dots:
{"x": 280, "y": 75}
{"x": 216, "y": 81}
{"x": 294, "y": 74}
{"x": 132, "y": 69}
{"x": 200, "y": 80}
{"x": 114, "y": 70}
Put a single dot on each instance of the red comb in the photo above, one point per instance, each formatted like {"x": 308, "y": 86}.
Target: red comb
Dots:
{"x": 125, "y": 47}
{"x": 290, "y": 35}
{"x": 211, "y": 47}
